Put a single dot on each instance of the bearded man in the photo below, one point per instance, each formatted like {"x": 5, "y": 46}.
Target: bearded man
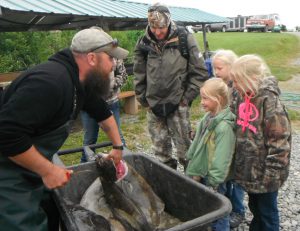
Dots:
{"x": 35, "y": 113}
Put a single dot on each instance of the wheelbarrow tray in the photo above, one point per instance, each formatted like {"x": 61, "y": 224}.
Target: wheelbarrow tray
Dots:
{"x": 194, "y": 204}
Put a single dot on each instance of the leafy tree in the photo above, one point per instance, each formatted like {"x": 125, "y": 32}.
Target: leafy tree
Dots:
{"x": 21, "y": 50}
{"x": 15, "y": 51}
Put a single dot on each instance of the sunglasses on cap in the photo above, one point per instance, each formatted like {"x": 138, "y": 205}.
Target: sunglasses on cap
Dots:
{"x": 159, "y": 8}
{"x": 114, "y": 43}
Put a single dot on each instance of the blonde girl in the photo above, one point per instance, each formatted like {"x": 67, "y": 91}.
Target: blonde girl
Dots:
{"x": 211, "y": 151}
{"x": 263, "y": 139}
{"x": 222, "y": 62}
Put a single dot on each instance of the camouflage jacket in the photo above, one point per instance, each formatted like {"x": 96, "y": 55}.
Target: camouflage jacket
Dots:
{"x": 263, "y": 144}
{"x": 163, "y": 76}
{"x": 117, "y": 79}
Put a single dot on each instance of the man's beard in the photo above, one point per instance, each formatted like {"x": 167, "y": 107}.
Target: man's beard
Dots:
{"x": 97, "y": 84}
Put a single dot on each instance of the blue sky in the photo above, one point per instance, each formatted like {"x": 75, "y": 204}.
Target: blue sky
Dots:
{"x": 287, "y": 10}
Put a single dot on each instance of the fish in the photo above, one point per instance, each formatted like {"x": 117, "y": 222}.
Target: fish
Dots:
{"x": 87, "y": 220}
{"x": 122, "y": 206}
{"x": 94, "y": 200}
{"x": 135, "y": 187}
{"x": 128, "y": 203}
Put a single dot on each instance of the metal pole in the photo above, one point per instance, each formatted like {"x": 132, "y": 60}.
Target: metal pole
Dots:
{"x": 80, "y": 149}
{"x": 205, "y": 41}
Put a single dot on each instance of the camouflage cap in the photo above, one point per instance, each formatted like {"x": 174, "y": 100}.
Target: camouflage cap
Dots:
{"x": 159, "y": 16}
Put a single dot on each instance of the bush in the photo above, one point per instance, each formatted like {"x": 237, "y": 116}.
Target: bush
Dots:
{"x": 21, "y": 50}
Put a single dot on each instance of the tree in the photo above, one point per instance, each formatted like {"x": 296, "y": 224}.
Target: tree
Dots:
{"x": 21, "y": 50}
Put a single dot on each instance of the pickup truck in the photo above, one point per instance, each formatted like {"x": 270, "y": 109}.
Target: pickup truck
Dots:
{"x": 213, "y": 27}
{"x": 262, "y": 23}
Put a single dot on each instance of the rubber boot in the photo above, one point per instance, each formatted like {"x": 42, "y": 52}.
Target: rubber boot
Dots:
{"x": 172, "y": 163}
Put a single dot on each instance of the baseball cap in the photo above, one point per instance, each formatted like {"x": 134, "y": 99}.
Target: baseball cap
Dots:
{"x": 159, "y": 16}
{"x": 95, "y": 39}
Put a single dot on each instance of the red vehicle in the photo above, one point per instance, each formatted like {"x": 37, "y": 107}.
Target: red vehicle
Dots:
{"x": 262, "y": 23}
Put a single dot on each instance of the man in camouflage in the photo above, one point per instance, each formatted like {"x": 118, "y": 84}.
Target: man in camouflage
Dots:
{"x": 167, "y": 83}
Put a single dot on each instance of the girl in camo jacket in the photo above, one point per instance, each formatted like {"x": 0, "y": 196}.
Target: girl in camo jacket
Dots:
{"x": 263, "y": 143}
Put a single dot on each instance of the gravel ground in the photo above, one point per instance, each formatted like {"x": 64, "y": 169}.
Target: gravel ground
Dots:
{"x": 289, "y": 194}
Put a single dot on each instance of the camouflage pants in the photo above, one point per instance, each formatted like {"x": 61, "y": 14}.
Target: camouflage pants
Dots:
{"x": 164, "y": 130}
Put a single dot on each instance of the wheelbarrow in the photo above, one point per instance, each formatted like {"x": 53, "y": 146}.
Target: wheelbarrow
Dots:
{"x": 189, "y": 201}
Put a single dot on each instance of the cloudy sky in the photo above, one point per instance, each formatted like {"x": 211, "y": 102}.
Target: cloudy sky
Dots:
{"x": 287, "y": 10}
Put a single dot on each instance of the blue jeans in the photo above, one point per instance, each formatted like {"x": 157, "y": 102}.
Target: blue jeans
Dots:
{"x": 235, "y": 194}
{"x": 222, "y": 224}
{"x": 91, "y": 127}
{"x": 265, "y": 211}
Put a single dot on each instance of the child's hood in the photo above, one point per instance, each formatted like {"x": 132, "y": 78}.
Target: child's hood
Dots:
{"x": 224, "y": 115}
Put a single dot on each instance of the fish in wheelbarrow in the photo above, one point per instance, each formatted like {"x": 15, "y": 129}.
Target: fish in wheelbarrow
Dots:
{"x": 130, "y": 199}
{"x": 135, "y": 187}
{"x": 87, "y": 220}
{"x": 94, "y": 200}
{"x": 124, "y": 206}
{"x": 103, "y": 196}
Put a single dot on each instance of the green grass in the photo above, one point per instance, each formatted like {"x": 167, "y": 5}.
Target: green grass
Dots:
{"x": 278, "y": 49}
{"x": 75, "y": 140}
{"x": 128, "y": 86}
{"x": 294, "y": 115}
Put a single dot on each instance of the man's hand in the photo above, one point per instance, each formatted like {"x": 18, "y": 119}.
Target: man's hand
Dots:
{"x": 53, "y": 176}
{"x": 115, "y": 155}
{"x": 56, "y": 177}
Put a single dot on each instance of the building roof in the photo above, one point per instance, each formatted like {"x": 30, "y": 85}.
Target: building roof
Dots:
{"x": 24, "y": 15}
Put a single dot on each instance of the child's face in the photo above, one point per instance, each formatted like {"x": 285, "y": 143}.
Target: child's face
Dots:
{"x": 208, "y": 104}
{"x": 221, "y": 70}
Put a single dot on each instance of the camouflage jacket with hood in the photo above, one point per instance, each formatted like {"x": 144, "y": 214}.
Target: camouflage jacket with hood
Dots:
{"x": 263, "y": 143}
{"x": 164, "y": 76}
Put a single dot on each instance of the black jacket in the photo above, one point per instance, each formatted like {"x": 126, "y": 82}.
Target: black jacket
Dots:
{"x": 42, "y": 99}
